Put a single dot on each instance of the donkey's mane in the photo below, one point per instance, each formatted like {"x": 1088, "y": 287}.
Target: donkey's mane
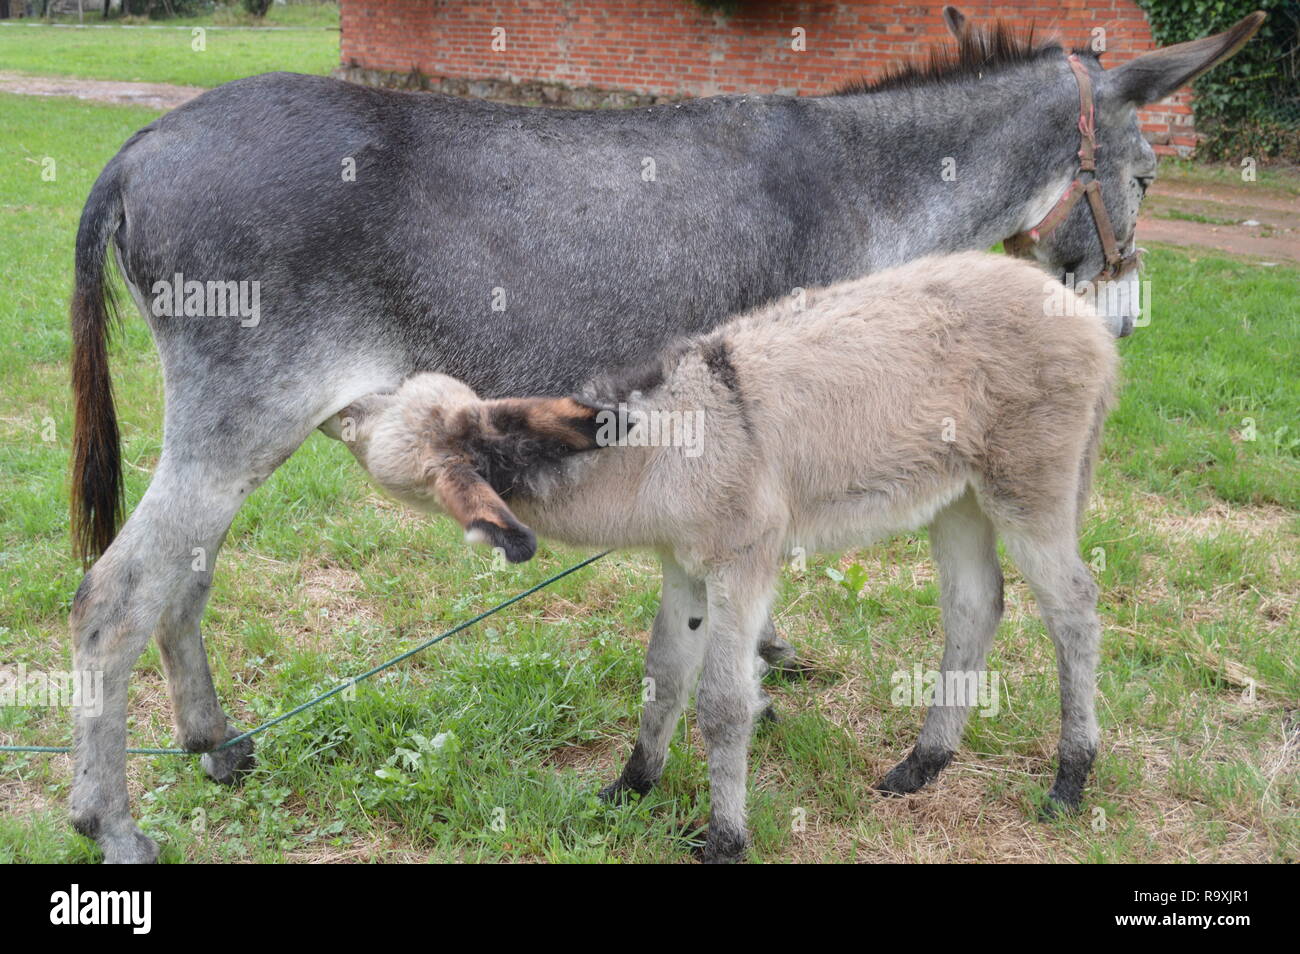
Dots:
{"x": 978, "y": 50}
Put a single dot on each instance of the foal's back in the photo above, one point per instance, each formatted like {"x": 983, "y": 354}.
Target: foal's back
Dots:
{"x": 894, "y": 392}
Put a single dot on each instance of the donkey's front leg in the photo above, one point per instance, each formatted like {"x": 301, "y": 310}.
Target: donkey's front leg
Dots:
{"x": 672, "y": 668}
{"x": 738, "y": 602}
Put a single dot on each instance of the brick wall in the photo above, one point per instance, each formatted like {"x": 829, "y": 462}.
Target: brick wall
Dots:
{"x": 673, "y": 47}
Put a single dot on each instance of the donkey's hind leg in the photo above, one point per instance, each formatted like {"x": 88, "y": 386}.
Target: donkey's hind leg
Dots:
{"x": 1067, "y": 596}
{"x": 149, "y": 578}
{"x": 964, "y": 545}
{"x": 201, "y": 723}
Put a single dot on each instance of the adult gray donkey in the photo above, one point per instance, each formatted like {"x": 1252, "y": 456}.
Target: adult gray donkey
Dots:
{"x": 296, "y": 242}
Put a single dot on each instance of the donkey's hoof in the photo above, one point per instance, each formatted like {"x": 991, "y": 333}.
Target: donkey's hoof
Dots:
{"x": 723, "y": 847}
{"x": 133, "y": 847}
{"x": 1058, "y": 805}
{"x": 229, "y": 766}
{"x": 913, "y": 773}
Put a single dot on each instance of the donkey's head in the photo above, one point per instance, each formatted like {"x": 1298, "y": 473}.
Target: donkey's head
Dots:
{"x": 1092, "y": 237}
{"x": 437, "y": 447}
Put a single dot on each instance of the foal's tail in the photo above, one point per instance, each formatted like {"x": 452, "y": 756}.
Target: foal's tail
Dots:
{"x": 96, "y": 445}
{"x": 1093, "y": 449}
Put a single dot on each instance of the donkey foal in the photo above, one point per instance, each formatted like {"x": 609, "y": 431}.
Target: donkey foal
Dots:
{"x": 941, "y": 393}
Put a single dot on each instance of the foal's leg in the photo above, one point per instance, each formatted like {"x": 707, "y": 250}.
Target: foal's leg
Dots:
{"x": 739, "y": 598}
{"x": 970, "y": 598}
{"x": 1067, "y": 595}
{"x": 777, "y": 652}
{"x": 673, "y": 666}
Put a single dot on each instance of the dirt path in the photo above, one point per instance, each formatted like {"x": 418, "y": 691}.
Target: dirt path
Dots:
{"x": 1242, "y": 219}
{"x": 153, "y": 95}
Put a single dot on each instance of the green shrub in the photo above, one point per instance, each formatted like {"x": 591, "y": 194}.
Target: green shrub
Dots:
{"x": 724, "y": 7}
{"x": 158, "y": 9}
{"x": 1250, "y": 105}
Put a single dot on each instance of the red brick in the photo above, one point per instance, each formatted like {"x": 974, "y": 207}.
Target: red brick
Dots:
{"x": 675, "y": 47}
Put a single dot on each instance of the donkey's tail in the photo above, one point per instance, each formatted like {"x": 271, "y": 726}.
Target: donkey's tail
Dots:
{"x": 96, "y": 445}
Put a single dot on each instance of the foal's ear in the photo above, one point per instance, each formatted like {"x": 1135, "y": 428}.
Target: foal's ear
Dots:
{"x": 567, "y": 421}
{"x": 475, "y": 506}
{"x": 954, "y": 20}
{"x": 1157, "y": 74}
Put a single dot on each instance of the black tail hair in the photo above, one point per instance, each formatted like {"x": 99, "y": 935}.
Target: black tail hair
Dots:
{"x": 97, "y": 490}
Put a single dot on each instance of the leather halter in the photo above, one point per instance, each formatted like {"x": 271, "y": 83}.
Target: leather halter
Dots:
{"x": 1117, "y": 263}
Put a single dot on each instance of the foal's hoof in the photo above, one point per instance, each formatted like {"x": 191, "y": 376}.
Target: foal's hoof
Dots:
{"x": 1066, "y": 796}
{"x": 130, "y": 848}
{"x": 228, "y": 766}
{"x": 913, "y": 773}
{"x": 722, "y": 847}
{"x": 1060, "y": 805}
{"x": 620, "y": 791}
{"x": 615, "y": 793}
{"x": 783, "y": 658}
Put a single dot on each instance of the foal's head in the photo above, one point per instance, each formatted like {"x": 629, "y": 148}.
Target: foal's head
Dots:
{"x": 435, "y": 445}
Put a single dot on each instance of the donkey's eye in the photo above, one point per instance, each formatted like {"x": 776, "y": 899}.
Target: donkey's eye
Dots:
{"x": 1144, "y": 183}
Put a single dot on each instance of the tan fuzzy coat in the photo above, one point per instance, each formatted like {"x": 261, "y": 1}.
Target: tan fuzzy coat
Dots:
{"x": 965, "y": 393}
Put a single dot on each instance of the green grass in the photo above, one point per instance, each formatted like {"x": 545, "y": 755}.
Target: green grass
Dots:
{"x": 1181, "y": 216}
{"x": 304, "y": 15}
{"x": 168, "y": 56}
{"x": 1274, "y": 177}
{"x": 491, "y": 745}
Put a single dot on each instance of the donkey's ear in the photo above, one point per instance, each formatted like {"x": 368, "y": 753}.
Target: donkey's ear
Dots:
{"x": 567, "y": 421}
{"x": 955, "y": 21}
{"x": 475, "y": 506}
{"x": 1155, "y": 75}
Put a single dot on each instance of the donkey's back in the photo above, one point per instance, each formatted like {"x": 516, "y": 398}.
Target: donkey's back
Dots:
{"x": 387, "y": 233}
{"x": 460, "y": 235}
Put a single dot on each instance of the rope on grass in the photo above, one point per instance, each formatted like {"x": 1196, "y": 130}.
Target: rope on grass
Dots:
{"x": 459, "y": 627}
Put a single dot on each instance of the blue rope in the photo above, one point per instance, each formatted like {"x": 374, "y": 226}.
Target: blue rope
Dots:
{"x": 459, "y": 627}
